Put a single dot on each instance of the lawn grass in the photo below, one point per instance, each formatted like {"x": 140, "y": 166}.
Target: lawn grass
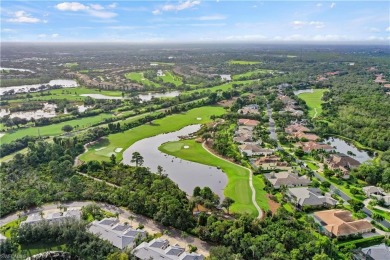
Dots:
{"x": 243, "y": 62}
{"x": 238, "y": 178}
{"x": 223, "y": 87}
{"x": 313, "y": 101}
{"x": 6, "y": 230}
{"x": 52, "y": 130}
{"x": 250, "y": 73}
{"x": 40, "y": 247}
{"x": 139, "y": 78}
{"x": 172, "y": 78}
{"x": 168, "y": 124}
{"x": 383, "y": 213}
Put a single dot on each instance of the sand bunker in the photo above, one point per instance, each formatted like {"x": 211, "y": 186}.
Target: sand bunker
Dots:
{"x": 101, "y": 148}
{"x": 198, "y": 118}
{"x": 118, "y": 150}
{"x": 186, "y": 147}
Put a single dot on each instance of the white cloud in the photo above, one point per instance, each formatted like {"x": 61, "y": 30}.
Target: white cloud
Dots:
{"x": 55, "y": 35}
{"x": 330, "y": 37}
{"x": 42, "y": 35}
{"x": 178, "y": 7}
{"x": 71, "y": 6}
{"x": 96, "y": 6}
{"x": 319, "y": 4}
{"x": 332, "y": 5}
{"x": 387, "y": 29}
{"x": 373, "y": 29}
{"x": 93, "y": 9}
{"x": 23, "y": 17}
{"x": 113, "y": 5}
{"x": 212, "y": 18}
{"x": 8, "y": 30}
{"x": 300, "y": 24}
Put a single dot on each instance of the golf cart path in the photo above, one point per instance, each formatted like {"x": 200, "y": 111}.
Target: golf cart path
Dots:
{"x": 250, "y": 179}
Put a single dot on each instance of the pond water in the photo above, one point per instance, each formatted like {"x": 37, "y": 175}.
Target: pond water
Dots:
{"x": 186, "y": 174}
{"x": 65, "y": 83}
{"x": 297, "y": 92}
{"x": 100, "y": 96}
{"x": 1, "y": 68}
{"x": 47, "y": 111}
{"x": 343, "y": 147}
{"x": 149, "y": 96}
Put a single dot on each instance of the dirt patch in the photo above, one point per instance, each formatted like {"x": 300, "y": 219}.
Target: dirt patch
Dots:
{"x": 227, "y": 103}
{"x": 273, "y": 205}
{"x": 200, "y": 208}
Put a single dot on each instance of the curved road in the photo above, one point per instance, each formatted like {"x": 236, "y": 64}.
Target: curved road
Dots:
{"x": 172, "y": 234}
{"x": 250, "y": 180}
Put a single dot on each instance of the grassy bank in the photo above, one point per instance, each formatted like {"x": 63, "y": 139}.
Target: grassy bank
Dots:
{"x": 102, "y": 151}
{"x": 313, "y": 101}
{"x": 238, "y": 177}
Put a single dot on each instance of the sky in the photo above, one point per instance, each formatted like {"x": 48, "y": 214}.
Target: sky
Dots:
{"x": 195, "y": 21}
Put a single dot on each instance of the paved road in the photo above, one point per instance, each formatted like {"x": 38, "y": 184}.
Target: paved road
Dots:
{"x": 172, "y": 234}
{"x": 99, "y": 180}
{"x": 254, "y": 202}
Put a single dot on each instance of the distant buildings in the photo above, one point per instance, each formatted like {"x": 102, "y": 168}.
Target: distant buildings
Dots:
{"x": 226, "y": 77}
{"x": 160, "y": 249}
{"x": 268, "y": 162}
{"x": 286, "y": 179}
{"x": 119, "y": 235}
{"x": 252, "y": 109}
{"x": 339, "y": 223}
{"x": 160, "y": 73}
{"x": 310, "y": 197}
{"x": 52, "y": 217}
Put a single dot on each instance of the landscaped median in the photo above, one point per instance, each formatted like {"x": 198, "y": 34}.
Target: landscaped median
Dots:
{"x": 238, "y": 178}
{"x": 114, "y": 142}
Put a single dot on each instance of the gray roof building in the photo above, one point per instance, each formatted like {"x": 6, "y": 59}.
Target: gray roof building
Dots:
{"x": 286, "y": 179}
{"x": 52, "y": 217}
{"x": 119, "y": 235}
{"x": 305, "y": 196}
{"x": 160, "y": 249}
{"x": 377, "y": 252}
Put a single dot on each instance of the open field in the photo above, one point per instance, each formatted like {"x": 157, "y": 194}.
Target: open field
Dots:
{"x": 238, "y": 177}
{"x": 170, "y": 77}
{"x": 251, "y": 73}
{"x": 139, "y": 77}
{"x": 52, "y": 130}
{"x": 313, "y": 101}
{"x": 243, "y": 62}
{"x": 168, "y": 124}
{"x": 40, "y": 247}
{"x": 223, "y": 87}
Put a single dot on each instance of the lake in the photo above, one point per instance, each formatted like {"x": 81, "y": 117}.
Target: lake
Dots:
{"x": 47, "y": 111}
{"x": 343, "y": 147}
{"x": 65, "y": 83}
{"x": 186, "y": 174}
{"x": 297, "y": 92}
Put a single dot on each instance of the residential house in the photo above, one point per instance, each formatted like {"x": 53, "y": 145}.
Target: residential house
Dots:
{"x": 310, "y": 146}
{"x": 119, "y": 235}
{"x": 307, "y": 136}
{"x": 296, "y": 128}
{"x": 160, "y": 73}
{"x": 376, "y": 252}
{"x": 339, "y": 223}
{"x": 286, "y": 179}
{"x": 342, "y": 162}
{"x": 226, "y": 77}
{"x": 248, "y": 122}
{"x": 270, "y": 161}
{"x": 252, "y": 109}
{"x": 377, "y": 192}
{"x": 243, "y": 139}
{"x": 252, "y": 149}
{"x": 310, "y": 197}
{"x": 160, "y": 249}
{"x": 52, "y": 217}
